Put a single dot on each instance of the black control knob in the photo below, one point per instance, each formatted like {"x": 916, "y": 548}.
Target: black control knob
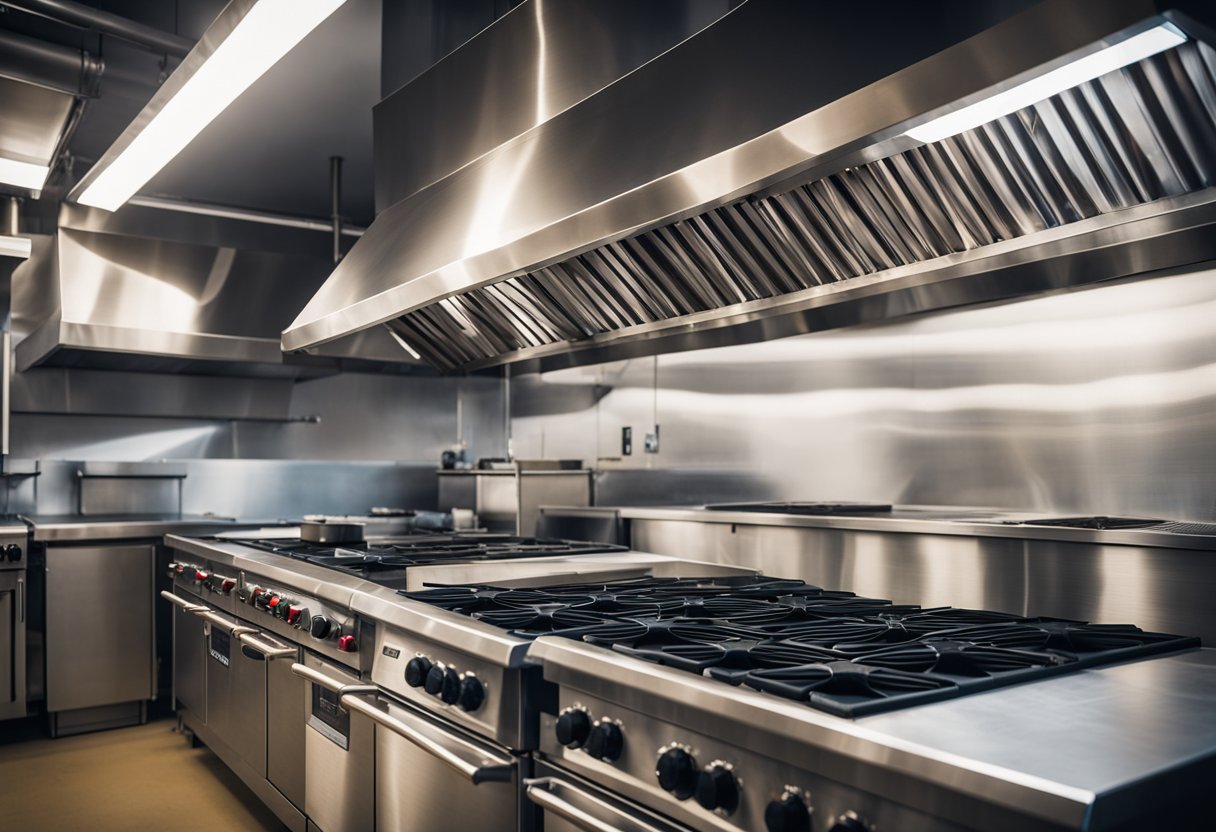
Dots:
{"x": 262, "y": 599}
{"x": 718, "y": 789}
{"x": 472, "y": 693}
{"x": 321, "y": 627}
{"x": 443, "y": 682}
{"x": 677, "y": 773}
{"x": 416, "y": 670}
{"x": 849, "y": 822}
{"x": 788, "y": 813}
{"x": 573, "y": 728}
{"x": 605, "y": 742}
{"x": 13, "y": 552}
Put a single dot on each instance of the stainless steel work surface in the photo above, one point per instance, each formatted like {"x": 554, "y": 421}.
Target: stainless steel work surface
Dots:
{"x": 126, "y": 526}
{"x": 1096, "y": 731}
{"x": 947, "y": 520}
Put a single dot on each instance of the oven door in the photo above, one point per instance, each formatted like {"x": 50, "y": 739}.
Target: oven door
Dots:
{"x": 432, "y": 776}
{"x": 569, "y": 802}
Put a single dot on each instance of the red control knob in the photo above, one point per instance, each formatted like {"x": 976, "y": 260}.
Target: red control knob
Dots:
{"x": 200, "y": 576}
{"x": 293, "y": 614}
{"x": 227, "y": 586}
{"x": 273, "y": 602}
{"x": 347, "y": 644}
{"x": 179, "y": 568}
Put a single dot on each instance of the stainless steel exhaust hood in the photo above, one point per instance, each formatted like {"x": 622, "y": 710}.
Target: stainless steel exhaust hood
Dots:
{"x": 756, "y": 181}
{"x": 168, "y": 290}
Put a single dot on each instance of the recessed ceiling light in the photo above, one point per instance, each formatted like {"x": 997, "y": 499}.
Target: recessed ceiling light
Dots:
{"x": 1094, "y": 65}
{"x": 265, "y": 32}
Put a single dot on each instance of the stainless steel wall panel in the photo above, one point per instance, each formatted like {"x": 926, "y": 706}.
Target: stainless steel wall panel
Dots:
{"x": 1094, "y": 401}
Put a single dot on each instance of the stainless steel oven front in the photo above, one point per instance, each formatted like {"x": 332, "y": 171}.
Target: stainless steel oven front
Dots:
{"x": 430, "y": 774}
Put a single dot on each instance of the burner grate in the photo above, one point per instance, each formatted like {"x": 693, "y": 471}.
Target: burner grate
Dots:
{"x": 835, "y": 651}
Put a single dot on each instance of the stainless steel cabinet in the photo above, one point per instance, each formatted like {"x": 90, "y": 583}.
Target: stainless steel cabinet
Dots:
{"x": 236, "y": 697}
{"x": 100, "y": 635}
{"x": 12, "y": 643}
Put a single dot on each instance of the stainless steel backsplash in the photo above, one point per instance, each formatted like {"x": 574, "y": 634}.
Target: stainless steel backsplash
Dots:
{"x": 1099, "y": 400}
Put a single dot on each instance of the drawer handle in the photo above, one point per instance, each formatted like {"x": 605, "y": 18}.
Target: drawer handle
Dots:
{"x": 182, "y": 602}
{"x": 475, "y": 763}
{"x": 267, "y": 651}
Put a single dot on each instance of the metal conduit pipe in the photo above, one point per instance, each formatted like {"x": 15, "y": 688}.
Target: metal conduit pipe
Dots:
{"x": 86, "y": 17}
{"x": 49, "y": 65}
{"x": 335, "y": 203}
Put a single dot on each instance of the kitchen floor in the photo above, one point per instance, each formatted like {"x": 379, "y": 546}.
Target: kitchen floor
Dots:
{"x": 129, "y": 778}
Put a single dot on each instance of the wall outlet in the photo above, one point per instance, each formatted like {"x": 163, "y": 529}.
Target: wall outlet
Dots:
{"x": 626, "y": 440}
{"x": 652, "y": 441}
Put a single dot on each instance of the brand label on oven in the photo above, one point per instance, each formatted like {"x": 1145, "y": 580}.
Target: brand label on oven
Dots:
{"x": 391, "y": 652}
{"x": 218, "y": 645}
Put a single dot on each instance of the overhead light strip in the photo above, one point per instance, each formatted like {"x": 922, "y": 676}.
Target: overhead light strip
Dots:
{"x": 1094, "y": 65}
{"x": 23, "y": 174}
{"x": 262, "y": 37}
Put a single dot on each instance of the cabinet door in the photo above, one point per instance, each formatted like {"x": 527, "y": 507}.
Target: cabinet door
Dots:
{"x": 189, "y": 650}
{"x": 100, "y": 639}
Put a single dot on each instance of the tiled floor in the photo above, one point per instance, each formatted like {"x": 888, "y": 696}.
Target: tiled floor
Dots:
{"x": 127, "y": 779}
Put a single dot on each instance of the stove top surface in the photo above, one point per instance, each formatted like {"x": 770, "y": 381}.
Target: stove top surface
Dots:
{"x": 383, "y": 560}
{"x": 836, "y": 651}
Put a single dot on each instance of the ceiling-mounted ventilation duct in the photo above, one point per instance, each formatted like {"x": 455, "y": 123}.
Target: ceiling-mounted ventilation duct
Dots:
{"x": 723, "y": 231}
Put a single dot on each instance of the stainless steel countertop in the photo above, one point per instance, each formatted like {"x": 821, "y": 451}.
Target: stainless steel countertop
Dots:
{"x": 62, "y": 527}
{"x": 947, "y": 520}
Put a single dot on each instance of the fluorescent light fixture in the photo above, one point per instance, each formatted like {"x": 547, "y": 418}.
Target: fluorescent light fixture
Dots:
{"x": 1094, "y": 65}
{"x": 266, "y": 33}
{"x": 23, "y": 174}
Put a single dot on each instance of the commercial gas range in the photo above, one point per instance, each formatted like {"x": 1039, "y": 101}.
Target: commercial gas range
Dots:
{"x": 751, "y": 703}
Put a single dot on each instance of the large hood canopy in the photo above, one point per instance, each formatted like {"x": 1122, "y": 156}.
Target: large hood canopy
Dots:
{"x": 759, "y": 179}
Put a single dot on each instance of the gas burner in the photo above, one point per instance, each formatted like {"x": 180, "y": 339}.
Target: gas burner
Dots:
{"x": 637, "y": 633}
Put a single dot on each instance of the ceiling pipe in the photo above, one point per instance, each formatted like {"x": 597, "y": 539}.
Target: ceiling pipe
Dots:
{"x": 86, "y": 17}
{"x": 49, "y": 65}
{"x": 335, "y": 203}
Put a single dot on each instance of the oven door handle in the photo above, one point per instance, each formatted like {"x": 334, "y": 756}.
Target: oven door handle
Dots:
{"x": 587, "y": 811}
{"x": 182, "y": 602}
{"x": 232, "y": 627}
{"x": 269, "y": 651}
{"x": 474, "y": 762}
{"x": 328, "y": 682}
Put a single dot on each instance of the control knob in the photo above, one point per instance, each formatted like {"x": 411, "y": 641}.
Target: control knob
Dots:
{"x": 347, "y": 644}
{"x": 788, "y": 813}
{"x": 416, "y": 670}
{"x": 717, "y": 789}
{"x": 444, "y": 682}
{"x": 227, "y": 585}
{"x": 605, "y": 742}
{"x": 199, "y": 576}
{"x": 573, "y": 727}
{"x": 677, "y": 772}
{"x": 321, "y": 627}
{"x": 13, "y": 552}
{"x": 472, "y": 693}
{"x": 849, "y": 822}
{"x": 296, "y": 616}
{"x": 272, "y": 603}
